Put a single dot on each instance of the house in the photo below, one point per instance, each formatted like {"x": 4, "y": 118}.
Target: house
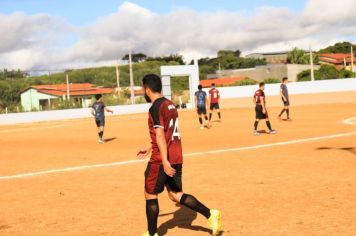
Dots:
{"x": 43, "y": 97}
{"x": 339, "y": 60}
{"x": 220, "y": 82}
{"x": 261, "y": 73}
{"x": 272, "y": 57}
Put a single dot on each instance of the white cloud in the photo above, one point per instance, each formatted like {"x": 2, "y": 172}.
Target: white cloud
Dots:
{"x": 184, "y": 31}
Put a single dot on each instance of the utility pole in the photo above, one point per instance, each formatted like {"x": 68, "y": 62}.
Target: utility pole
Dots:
{"x": 311, "y": 64}
{"x": 131, "y": 80}
{"x": 67, "y": 80}
{"x": 118, "y": 78}
{"x": 352, "y": 59}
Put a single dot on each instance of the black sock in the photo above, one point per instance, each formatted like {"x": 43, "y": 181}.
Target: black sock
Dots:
{"x": 192, "y": 203}
{"x": 219, "y": 114}
{"x": 200, "y": 120}
{"x": 287, "y": 113}
{"x": 152, "y": 211}
{"x": 206, "y": 117}
{"x": 101, "y": 133}
{"x": 269, "y": 125}
{"x": 256, "y": 125}
{"x": 282, "y": 112}
{"x": 210, "y": 115}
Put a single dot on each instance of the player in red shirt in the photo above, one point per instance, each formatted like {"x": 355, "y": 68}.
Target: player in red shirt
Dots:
{"x": 165, "y": 166}
{"x": 214, "y": 96}
{"x": 259, "y": 99}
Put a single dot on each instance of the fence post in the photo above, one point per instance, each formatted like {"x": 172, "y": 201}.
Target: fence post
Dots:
{"x": 6, "y": 110}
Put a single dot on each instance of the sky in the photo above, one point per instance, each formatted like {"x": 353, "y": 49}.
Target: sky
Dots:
{"x": 79, "y": 33}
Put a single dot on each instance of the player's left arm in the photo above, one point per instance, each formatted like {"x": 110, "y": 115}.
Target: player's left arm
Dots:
{"x": 162, "y": 145}
{"x": 93, "y": 111}
{"x": 109, "y": 110}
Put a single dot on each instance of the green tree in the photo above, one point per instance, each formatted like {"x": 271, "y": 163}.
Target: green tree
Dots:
{"x": 341, "y": 47}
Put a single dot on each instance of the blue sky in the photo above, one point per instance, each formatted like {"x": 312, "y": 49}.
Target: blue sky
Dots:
{"x": 97, "y": 32}
{"x": 83, "y": 12}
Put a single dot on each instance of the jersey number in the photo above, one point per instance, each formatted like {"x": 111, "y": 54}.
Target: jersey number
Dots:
{"x": 175, "y": 125}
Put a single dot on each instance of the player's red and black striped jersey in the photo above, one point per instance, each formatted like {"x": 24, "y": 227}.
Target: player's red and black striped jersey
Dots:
{"x": 214, "y": 95}
{"x": 163, "y": 114}
{"x": 258, "y": 95}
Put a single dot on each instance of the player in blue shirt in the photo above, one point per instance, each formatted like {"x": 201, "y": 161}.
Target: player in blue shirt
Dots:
{"x": 201, "y": 101}
{"x": 98, "y": 111}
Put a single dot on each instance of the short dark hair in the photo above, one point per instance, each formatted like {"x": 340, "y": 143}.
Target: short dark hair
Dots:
{"x": 153, "y": 82}
{"x": 261, "y": 84}
{"x": 284, "y": 79}
{"x": 98, "y": 96}
{"x": 213, "y": 85}
{"x": 200, "y": 87}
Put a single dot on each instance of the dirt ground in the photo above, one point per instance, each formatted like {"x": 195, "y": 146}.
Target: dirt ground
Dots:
{"x": 301, "y": 181}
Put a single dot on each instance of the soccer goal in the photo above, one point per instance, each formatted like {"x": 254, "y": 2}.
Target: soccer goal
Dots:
{"x": 191, "y": 71}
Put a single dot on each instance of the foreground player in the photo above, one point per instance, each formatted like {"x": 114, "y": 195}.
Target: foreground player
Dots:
{"x": 285, "y": 98}
{"x": 165, "y": 166}
{"x": 201, "y": 101}
{"x": 98, "y": 111}
{"x": 261, "y": 112}
{"x": 214, "y": 95}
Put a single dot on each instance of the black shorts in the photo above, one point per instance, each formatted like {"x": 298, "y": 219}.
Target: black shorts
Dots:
{"x": 100, "y": 122}
{"x": 201, "y": 110}
{"x": 259, "y": 112}
{"x": 285, "y": 103}
{"x": 214, "y": 106}
{"x": 156, "y": 179}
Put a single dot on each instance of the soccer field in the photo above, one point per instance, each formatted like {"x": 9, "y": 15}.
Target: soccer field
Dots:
{"x": 55, "y": 179}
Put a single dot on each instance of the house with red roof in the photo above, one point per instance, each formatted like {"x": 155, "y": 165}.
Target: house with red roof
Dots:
{"x": 44, "y": 97}
{"x": 339, "y": 60}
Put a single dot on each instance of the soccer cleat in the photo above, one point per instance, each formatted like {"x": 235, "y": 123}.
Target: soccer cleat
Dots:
{"x": 201, "y": 127}
{"x": 101, "y": 141}
{"x": 148, "y": 234}
{"x": 214, "y": 221}
{"x": 272, "y": 131}
{"x": 256, "y": 133}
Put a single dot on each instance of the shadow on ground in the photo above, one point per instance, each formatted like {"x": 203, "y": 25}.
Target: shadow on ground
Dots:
{"x": 351, "y": 150}
{"x": 109, "y": 139}
{"x": 182, "y": 218}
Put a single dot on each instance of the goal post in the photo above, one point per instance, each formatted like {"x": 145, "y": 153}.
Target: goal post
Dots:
{"x": 192, "y": 71}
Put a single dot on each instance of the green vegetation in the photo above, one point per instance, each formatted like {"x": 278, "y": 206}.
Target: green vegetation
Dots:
{"x": 226, "y": 60}
{"x": 326, "y": 72}
{"x": 245, "y": 82}
{"x": 272, "y": 81}
{"x": 344, "y": 47}
{"x": 299, "y": 56}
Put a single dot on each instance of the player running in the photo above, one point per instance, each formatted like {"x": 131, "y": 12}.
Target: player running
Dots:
{"x": 165, "y": 166}
{"x": 201, "y": 101}
{"x": 98, "y": 111}
{"x": 261, "y": 112}
{"x": 285, "y": 98}
{"x": 214, "y": 95}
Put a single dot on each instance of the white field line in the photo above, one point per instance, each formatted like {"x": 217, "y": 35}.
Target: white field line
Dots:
{"x": 122, "y": 163}
{"x": 350, "y": 121}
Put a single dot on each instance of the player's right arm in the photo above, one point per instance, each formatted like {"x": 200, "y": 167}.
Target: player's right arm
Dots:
{"x": 93, "y": 111}
{"x": 196, "y": 101}
{"x": 263, "y": 105}
{"x": 281, "y": 92}
{"x": 144, "y": 152}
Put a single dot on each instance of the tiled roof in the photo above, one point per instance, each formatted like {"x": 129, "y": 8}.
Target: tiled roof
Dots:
{"x": 74, "y": 89}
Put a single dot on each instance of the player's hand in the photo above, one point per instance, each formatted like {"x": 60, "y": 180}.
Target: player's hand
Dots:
{"x": 168, "y": 169}
{"x": 264, "y": 111}
{"x": 143, "y": 153}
